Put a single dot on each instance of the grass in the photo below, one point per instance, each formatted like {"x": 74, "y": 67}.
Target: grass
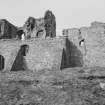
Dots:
{"x": 68, "y": 87}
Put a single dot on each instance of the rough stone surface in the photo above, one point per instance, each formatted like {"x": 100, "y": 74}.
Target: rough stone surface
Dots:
{"x": 50, "y": 24}
{"x": 93, "y": 48}
{"x": 42, "y": 54}
{"x": 79, "y": 86}
{"x": 34, "y": 70}
{"x": 34, "y": 28}
{"x": 40, "y": 27}
{"x": 71, "y": 56}
{"x": 7, "y": 30}
{"x": 52, "y": 54}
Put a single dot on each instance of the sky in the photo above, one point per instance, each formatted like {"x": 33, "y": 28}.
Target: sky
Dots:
{"x": 68, "y": 13}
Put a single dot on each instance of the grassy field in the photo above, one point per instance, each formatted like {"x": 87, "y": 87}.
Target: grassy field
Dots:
{"x": 78, "y": 86}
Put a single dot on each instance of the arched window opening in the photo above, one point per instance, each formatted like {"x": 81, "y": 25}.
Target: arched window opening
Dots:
{"x": 24, "y": 49}
{"x": 39, "y": 33}
{"x": 81, "y": 43}
{"x": 20, "y": 33}
{"x": 1, "y": 62}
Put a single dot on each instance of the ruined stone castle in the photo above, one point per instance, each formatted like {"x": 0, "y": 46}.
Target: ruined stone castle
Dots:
{"x": 34, "y": 46}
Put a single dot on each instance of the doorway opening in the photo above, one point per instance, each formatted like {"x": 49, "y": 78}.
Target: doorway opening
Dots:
{"x": 1, "y": 62}
{"x": 20, "y": 63}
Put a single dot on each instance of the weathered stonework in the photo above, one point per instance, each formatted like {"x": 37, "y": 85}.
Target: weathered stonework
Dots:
{"x": 82, "y": 47}
{"x": 93, "y": 45}
{"x": 50, "y": 24}
{"x": 34, "y": 28}
{"x": 39, "y": 28}
{"x": 42, "y": 54}
{"x": 38, "y": 54}
{"x": 7, "y": 30}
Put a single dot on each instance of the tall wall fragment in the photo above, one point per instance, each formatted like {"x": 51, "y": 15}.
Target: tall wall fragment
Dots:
{"x": 50, "y": 24}
{"x": 41, "y": 54}
{"x": 91, "y": 42}
{"x": 34, "y": 28}
{"x": 40, "y": 27}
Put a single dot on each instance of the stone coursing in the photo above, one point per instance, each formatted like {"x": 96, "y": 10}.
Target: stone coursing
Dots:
{"x": 41, "y": 54}
{"x": 83, "y": 47}
{"x": 50, "y": 24}
{"x": 7, "y": 30}
{"x": 40, "y": 27}
{"x": 93, "y": 45}
{"x": 50, "y": 54}
{"x": 32, "y": 28}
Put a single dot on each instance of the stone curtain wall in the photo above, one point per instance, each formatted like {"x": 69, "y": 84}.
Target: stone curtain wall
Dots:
{"x": 50, "y": 24}
{"x": 93, "y": 48}
{"x": 51, "y": 54}
{"x": 41, "y": 54}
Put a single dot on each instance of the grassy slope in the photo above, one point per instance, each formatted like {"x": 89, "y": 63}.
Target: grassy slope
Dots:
{"x": 79, "y": 86}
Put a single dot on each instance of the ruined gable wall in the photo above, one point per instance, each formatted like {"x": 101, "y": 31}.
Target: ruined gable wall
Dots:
{"x": 7, "y": 30}
{"x": 32, "y": 26}
{"x": 93, "y": 49}
{"x": 40, "y": 27}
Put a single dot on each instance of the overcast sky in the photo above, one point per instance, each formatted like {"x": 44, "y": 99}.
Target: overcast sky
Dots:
{"x": 69, "y": 13}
